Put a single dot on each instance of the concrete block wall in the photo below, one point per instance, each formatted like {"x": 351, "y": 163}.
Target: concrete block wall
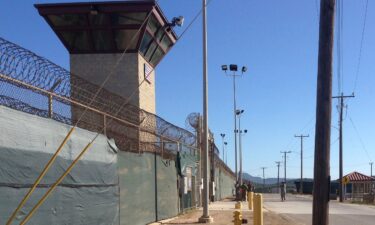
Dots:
{"x": 127, "y": 74}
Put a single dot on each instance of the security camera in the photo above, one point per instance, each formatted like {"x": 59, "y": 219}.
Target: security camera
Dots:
{"x": 177, "y": 21}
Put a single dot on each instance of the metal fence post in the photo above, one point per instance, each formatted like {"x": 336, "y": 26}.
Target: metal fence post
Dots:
{"x": 50, "y": 110}
{"x": 105, "y": 125}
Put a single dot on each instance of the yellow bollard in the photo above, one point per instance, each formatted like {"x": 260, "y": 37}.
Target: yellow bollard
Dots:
{"x": 250, "y": 196}
{"x": 238, "y": 205}
{"x": 258, "y": 209}
{"x": 237, "y": 218}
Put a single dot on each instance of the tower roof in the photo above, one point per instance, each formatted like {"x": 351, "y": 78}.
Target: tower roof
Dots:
{"x": 111, "y": 27}
{"x": 358, "y": 177}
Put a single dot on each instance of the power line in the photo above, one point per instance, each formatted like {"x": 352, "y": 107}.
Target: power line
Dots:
{"x": 339, "y": 46}
{"x": 360, "y": 47}
{"x": 360, "y": 139}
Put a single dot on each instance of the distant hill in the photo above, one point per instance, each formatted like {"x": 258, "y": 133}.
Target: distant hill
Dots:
{"x": 259, "y": 180}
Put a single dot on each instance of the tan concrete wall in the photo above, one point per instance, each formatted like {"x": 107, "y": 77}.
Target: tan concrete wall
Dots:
{"x": 126, "y": 78}
{"x": 147, "y": 89}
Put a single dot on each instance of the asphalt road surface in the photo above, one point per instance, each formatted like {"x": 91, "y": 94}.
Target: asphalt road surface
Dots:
{"x": 299, "y": 209}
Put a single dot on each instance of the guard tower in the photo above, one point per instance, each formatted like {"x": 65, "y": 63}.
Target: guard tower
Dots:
{"x": 97, "y": 34}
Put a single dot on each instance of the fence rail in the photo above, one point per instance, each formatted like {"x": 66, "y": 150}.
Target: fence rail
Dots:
{"x": 35, "y": 85}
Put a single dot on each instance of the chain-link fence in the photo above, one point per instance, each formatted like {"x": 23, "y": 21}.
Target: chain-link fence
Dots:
{"x": 35, "y": 85}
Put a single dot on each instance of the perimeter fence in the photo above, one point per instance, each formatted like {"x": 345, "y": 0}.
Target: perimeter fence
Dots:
{"x": 35, "y": 85}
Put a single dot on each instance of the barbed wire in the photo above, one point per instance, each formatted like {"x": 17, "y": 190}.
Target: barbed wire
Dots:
{"x": 25, "y": 70}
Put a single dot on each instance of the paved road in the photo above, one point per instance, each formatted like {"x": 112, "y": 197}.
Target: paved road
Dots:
{"x": 299, "y": 208}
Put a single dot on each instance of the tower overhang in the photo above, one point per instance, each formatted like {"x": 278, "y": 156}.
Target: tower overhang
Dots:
{"x": 111, "y": 27}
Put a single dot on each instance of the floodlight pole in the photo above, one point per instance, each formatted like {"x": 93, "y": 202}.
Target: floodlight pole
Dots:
{"x": 239, "y": 131}
{"x": 226, "y": 152}
{"x": 222, "y": 143}
{"x": 205, "y": 218}
{"x": 235, "y": 127}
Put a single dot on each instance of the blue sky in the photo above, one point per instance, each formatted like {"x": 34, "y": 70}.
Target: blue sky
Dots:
{"x": 277, "y": 41}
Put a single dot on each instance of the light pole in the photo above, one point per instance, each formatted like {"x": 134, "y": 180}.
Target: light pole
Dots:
{"x": 239, "y": 112}
{"x": 234, "y": 69}
{"x": 205, "y": 218}
{"x": 226, "y": 152}
{"x": 278, "y": 175}
{"x": 264, "y": 180}
{"x": 222, "y": 138}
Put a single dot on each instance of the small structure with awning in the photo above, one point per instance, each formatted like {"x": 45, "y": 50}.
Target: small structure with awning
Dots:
{"x": 357, "y": 185}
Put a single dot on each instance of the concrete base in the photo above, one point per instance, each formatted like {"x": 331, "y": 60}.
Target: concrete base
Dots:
{"x": 206, "y": 219}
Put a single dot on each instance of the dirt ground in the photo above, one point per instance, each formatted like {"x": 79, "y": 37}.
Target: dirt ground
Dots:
{"x": 226, "y": 217}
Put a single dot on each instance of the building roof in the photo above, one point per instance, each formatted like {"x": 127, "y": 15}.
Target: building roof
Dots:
{"x": 111, "y": 27}
{"x": 358, "y": 177}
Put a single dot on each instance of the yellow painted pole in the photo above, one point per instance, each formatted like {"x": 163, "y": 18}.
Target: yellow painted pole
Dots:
{"x": 258, "y": 209}
{"x": 40, "y": 177}
{"x": 45, "y": 196}
{"x": 237, "y": 217}
{"x": 250, "y": 199}
{"x": 238, "y": 205}
{"x": 255, "y": 218}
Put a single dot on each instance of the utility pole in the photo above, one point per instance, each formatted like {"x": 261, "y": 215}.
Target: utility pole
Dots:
{"x": 341, "y": 97}
{"x": 285, "y": 152}
{"x": 323, "y": 114}
{"x": 371, "y": 168}
{"x": 222, "y": 138}
{"x": 301, "y": 182}
{"x": 278, "y": 175}
{"x": 205, "y": 218}
{"x": 264, "y": 179}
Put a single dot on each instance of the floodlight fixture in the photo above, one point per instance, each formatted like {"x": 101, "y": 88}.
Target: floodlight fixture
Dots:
{"x": 225, "y": 142}
{"x": 222, "y": 135}
{"x": 244, "y": 69}
{"x": 224, "y": 68}
{"x": 233, "y": 67}
{"x": 239, "y": 111}
{"x": 245, "y": 131}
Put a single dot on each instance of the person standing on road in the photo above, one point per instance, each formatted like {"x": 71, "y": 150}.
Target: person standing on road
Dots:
{"x": 283, "y": 191}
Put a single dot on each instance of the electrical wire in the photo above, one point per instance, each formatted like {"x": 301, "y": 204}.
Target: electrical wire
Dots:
{"x": 360, "y": 139}
{"x": 360, "y": 48}
{"x": 339, "y": 9}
